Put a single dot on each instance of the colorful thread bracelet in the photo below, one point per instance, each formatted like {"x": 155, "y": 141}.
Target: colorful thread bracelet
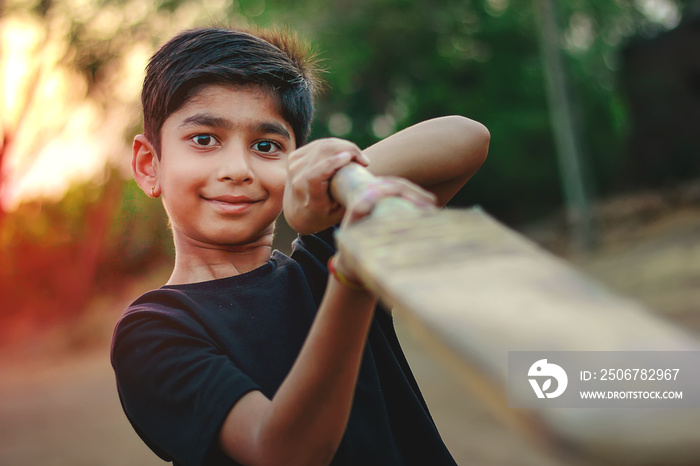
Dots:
{"x": 353, "y": 285}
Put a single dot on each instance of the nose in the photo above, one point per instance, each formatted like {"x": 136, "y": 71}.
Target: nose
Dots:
{"x": 235, "y": 165}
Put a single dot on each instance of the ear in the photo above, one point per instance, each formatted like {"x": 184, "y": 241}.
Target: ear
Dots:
{"x": 145, "y": 165}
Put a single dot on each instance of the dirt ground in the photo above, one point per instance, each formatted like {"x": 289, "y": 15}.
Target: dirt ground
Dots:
{"x": 58, "y": 406}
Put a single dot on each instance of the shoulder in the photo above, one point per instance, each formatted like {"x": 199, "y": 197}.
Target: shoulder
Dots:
{"x": 175, "y": 380}
{"x": 165, "y": 305}
{"x": 320, "y": 245}
{"x": 161, "y": 318}
{"x": 193, "y": 301}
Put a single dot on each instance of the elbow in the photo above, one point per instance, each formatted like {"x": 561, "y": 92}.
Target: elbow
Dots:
{"x": 482, "y": 137}
{"x": 275, "y": 447}
{"x": 473, "y": 139}
{"x": 306, "y": 457}
{"x": 483, "y": 140}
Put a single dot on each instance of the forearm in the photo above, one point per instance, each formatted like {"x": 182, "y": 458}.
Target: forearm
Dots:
{"x": 305, "y": 420}
{"x": 439, "y": 154}
{"x": 313, "y": 404}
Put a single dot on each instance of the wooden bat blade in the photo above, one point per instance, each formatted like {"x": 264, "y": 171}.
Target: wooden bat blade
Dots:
{"x": 482, "y": 290}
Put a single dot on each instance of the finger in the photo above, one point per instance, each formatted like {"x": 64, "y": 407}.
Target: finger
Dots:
{"x": 369, "y": 199}
{"x": 398, "y": 188}
{"x": 362, "y": 159}
{"x": 331, "y": 147}
{"x": 322, "y": 172}
{"x": 321, "y": 149}
{"x": 413, "y": 192}
{"x": 366, "y": 203}
{"x": 358, "y": 211}
{"x": 421, "y": 199}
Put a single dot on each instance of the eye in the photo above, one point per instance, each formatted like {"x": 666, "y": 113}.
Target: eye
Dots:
{"x": 204, "y": 140}
{"x": 267, "y": 147}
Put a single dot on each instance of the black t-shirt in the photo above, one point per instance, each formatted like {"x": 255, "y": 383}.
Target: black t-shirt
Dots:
{"x": 184, "y": 354}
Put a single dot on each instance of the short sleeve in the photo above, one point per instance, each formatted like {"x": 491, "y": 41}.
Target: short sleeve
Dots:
{"x": 174, "y": 383}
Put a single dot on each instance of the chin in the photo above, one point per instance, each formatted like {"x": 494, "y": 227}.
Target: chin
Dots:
{"x": 239, "y": 239}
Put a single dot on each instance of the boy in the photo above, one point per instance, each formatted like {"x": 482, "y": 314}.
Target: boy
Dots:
{"x": 247, "y": 356}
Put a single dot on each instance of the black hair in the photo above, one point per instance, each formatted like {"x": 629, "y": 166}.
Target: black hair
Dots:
{"x": 275, "y": 60}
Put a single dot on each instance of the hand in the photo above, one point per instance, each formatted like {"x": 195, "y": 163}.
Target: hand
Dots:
{"x": 308, "y": 206}
{"x": 381, "y": 188}
{"x": 385, "y": 187}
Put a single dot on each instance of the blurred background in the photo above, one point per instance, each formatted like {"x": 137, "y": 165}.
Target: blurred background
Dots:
{"x": 593, "y": 108}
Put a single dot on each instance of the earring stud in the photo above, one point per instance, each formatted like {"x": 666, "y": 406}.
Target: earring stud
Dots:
{"x": 153, "y": 191}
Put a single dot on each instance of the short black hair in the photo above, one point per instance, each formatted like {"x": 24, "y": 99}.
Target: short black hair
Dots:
{"x": 275, "y": 60}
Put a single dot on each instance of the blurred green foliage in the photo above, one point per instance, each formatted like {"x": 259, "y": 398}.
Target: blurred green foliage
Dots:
{"x": 392, "y": 63}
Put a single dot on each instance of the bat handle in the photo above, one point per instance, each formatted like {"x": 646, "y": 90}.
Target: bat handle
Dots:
{"x": 351, "y": 181}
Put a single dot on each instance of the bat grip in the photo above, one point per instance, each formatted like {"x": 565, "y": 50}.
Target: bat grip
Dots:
{"x": 351, "y": 181}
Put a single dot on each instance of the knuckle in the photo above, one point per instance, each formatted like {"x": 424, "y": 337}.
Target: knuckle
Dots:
{"x": 297, "y": 182}
{"x": 318, "y": 173}
{"x": 295, "y": 157}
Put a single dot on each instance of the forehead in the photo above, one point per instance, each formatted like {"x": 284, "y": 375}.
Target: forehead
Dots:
{"x": 236, "y": 103}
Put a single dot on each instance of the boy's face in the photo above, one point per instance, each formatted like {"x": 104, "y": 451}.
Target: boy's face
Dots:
{"x": 223, "y": 166}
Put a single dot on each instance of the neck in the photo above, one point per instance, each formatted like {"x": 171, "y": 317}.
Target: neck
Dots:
{"x": 203, "y": 262}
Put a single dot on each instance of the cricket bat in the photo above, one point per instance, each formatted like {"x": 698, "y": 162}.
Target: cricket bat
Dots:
{"x": 475, "y": 290}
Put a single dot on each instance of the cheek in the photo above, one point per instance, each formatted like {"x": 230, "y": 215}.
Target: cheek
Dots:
{"x": 276, "y": 177}
{"x": 185, "y": 174}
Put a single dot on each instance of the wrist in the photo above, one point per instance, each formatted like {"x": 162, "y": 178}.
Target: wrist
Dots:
{"x": 339, "y": 274}
{"x": 305, "y": 222}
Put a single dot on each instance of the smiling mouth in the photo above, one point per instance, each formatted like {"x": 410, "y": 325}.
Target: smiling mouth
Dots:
{"x": 232, "y": 204}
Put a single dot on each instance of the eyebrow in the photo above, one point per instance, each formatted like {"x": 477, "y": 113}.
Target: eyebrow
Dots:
{"x": 274, "y": 128}
{"x": 203, "y": 119}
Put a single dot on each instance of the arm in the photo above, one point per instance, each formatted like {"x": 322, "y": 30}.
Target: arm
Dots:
{"x": 305, "y": 420}
{"x": 440, "y": 154}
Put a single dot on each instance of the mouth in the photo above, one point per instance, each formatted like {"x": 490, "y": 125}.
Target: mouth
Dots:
{"x": 232, "y": 204}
